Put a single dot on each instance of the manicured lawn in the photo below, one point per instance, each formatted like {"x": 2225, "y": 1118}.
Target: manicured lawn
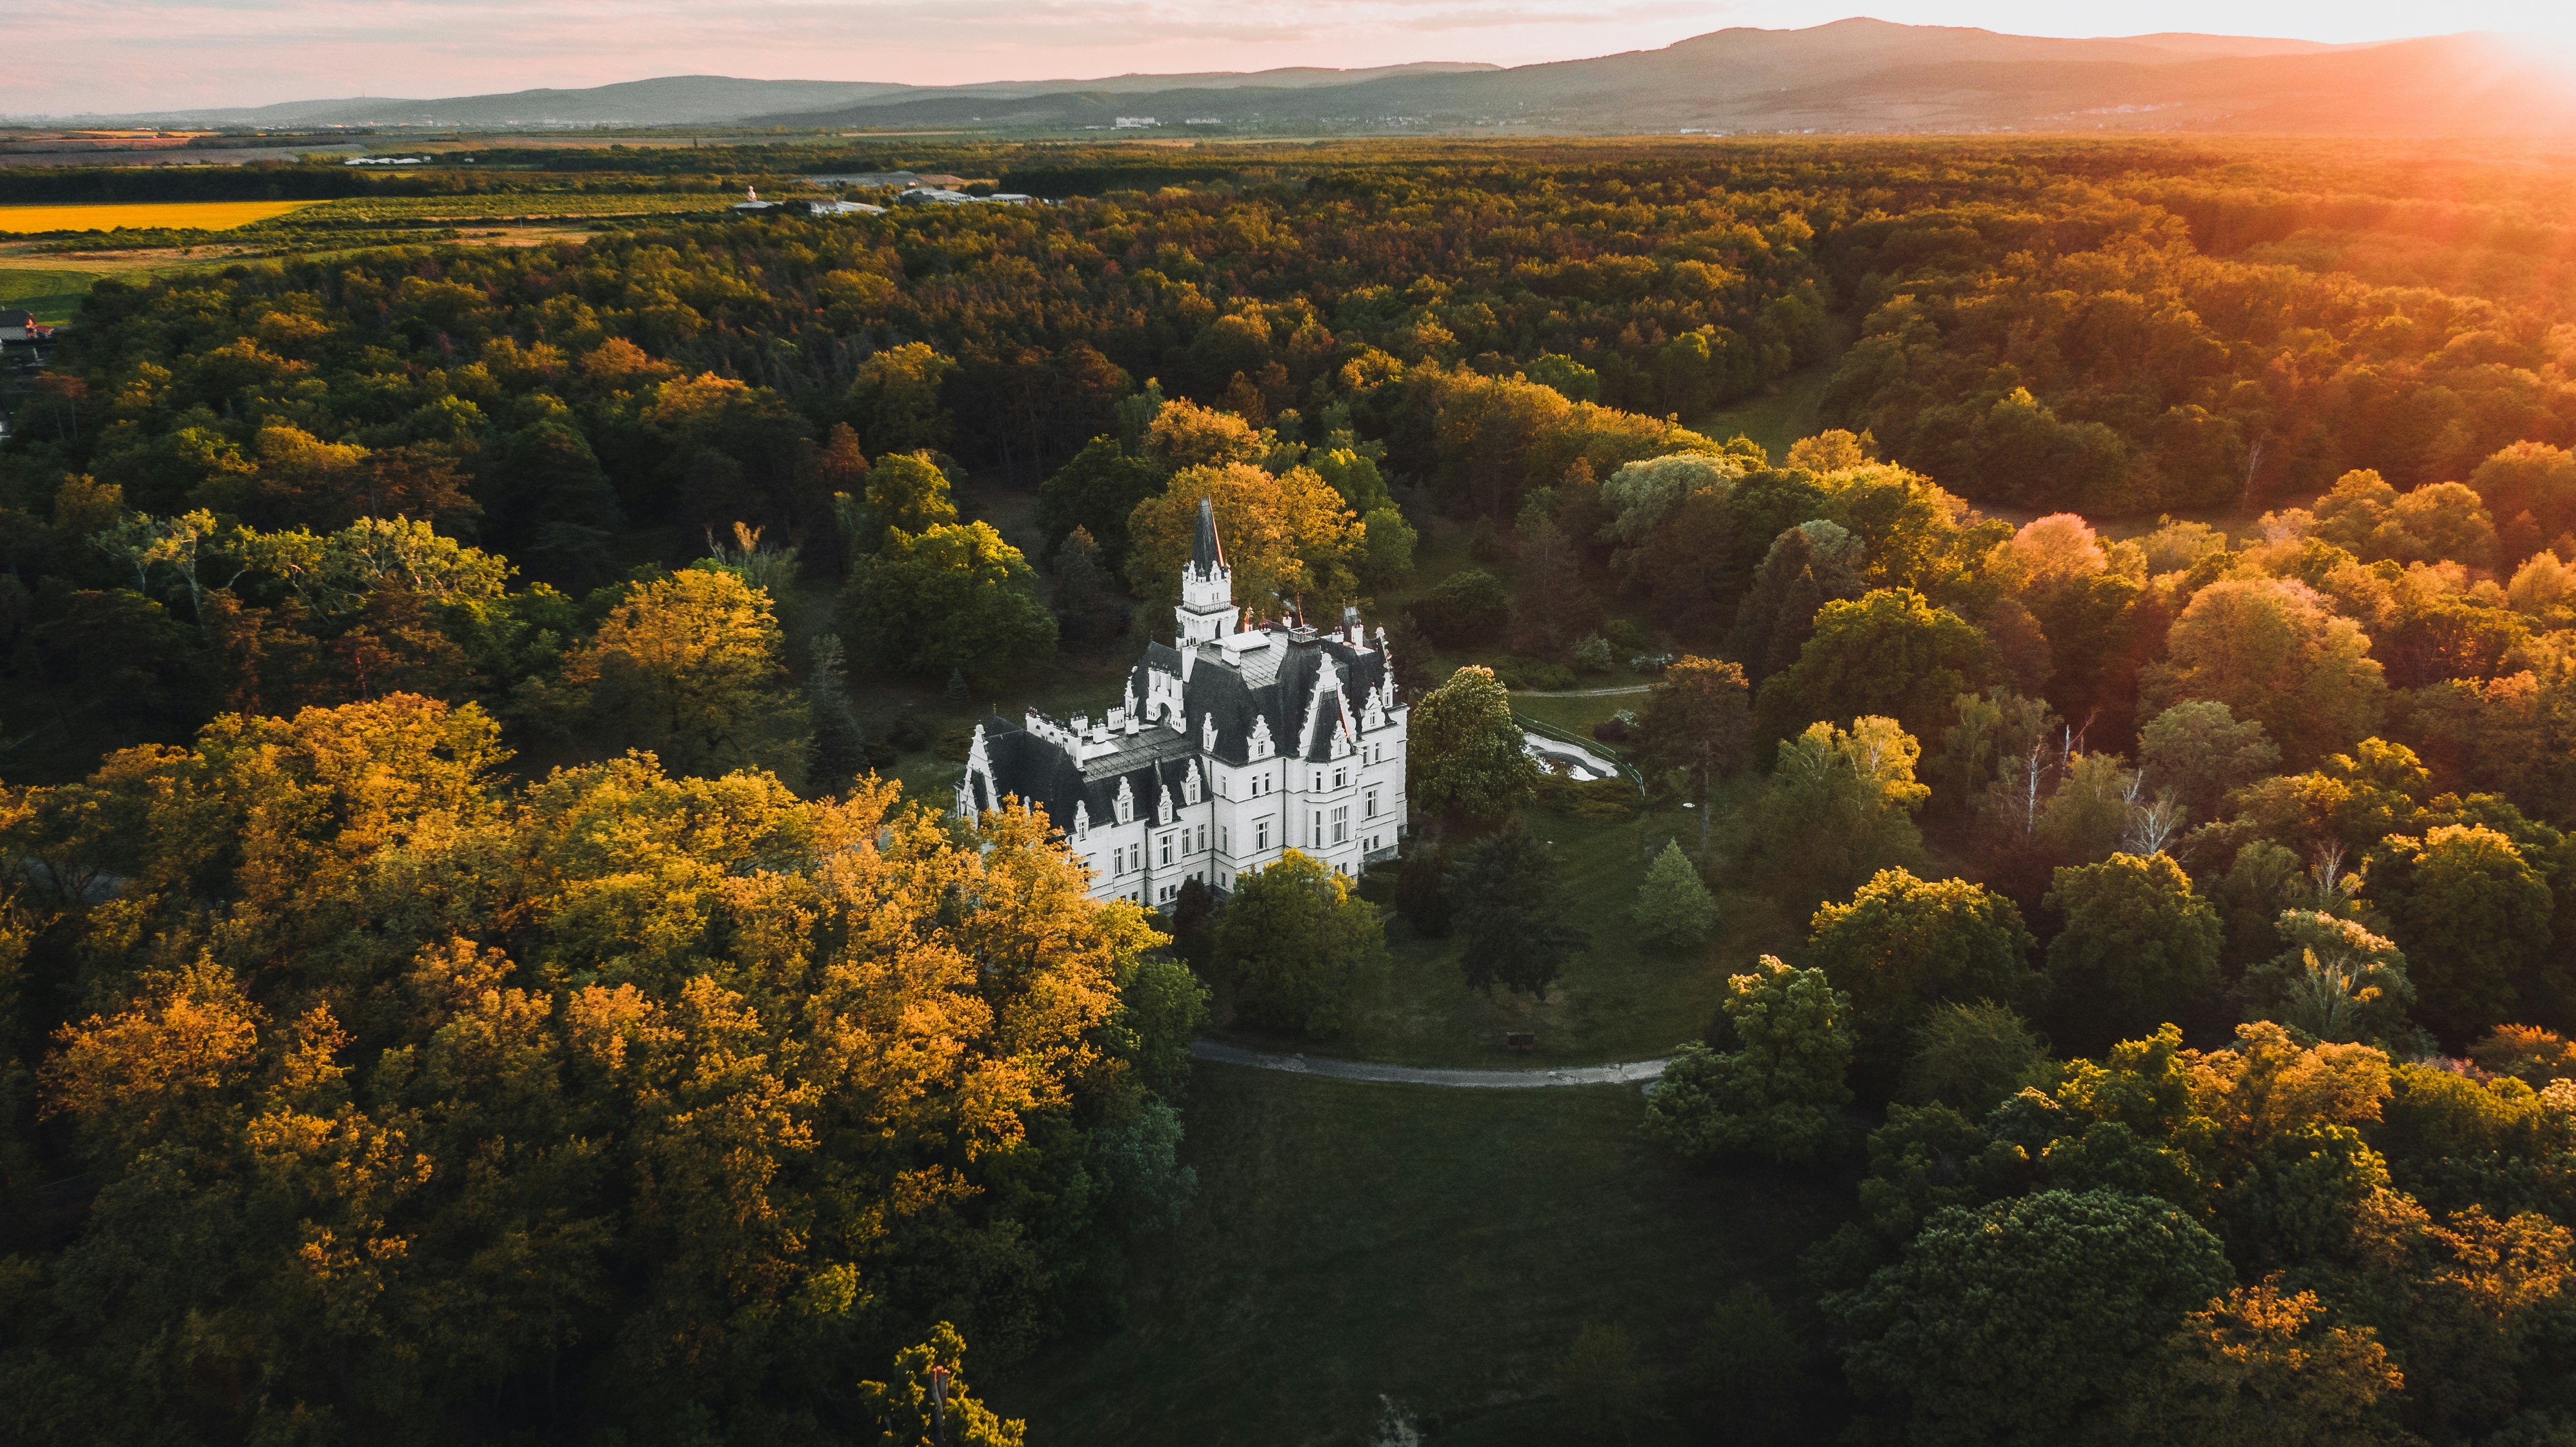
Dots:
{"x": 1578, "y": 715}
{"x": 1354, "y": 1244}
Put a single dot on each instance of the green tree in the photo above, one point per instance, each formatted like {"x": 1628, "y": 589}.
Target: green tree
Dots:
{"x": 1161, "y": 1009}
{"x": 1974, "y": 1057}
{"x": 955, "y": 597}
{"x": 1551, "y": 608}
{"x": 1296, "y": 946}
{"x": 928, "y": 1400}
{"x": 2092, "y": 811}
{"x": 1464, "y": 609}
{"x": 1356, "y": 477}
{"x": 2272, "y": 651}
{"x": 1386, "y": 547}
{"x": 1096, "y": 492}
{"x": 1674, "y": 908}
{"x": 1465, "y": 756}
{"x": 1840, "y": 808}
{"x": 1086, "y": 604}
{"x": 1903, "y": 945}
{"x": 1889, "y": 652}
{"x": 2199, "y": 749}
{"x": 2138, "y": 948}
{"x": 905, "y": 492}
{"x": 2014, "y": 1325}
{"x": 894, "y": 399}
{"x": 2337, "y": 981}
{"x": 687, "y": 666}
{"x": 548, "y": 505}
{"x": 840, "y": 744}
{"x": 1696, "y": 721}
{"x": 1781, "y": 1094}
{"x": 1508, "y": 906}
{"x": 2474, "y": 919}
{"x": 1808, "y": 566}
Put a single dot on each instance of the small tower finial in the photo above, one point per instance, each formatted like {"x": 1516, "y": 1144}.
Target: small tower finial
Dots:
{"x": 1207, "y": 612}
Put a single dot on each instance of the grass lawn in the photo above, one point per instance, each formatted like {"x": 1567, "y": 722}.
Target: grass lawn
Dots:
{"x": 1579, "y": 714}
{"x": 1792, "y": 409}
{"x": 52, "y": 295}
{"x": 1353, "y": 1244}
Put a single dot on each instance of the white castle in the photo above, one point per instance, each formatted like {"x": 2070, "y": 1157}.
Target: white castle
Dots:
{"x": 1231, "y": 748}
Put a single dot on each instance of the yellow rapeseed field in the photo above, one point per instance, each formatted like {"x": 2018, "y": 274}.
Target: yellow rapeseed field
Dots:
{"x": 199, "y": 215}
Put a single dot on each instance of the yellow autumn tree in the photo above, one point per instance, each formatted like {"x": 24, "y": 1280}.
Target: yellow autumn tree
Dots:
{"x": 1285, "y": 536}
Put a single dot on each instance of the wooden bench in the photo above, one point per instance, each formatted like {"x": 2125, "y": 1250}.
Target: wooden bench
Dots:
{"x": 1520, "y": 1040}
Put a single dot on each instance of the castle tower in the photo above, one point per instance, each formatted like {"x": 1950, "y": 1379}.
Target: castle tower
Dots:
{"x": 1207, "y": 612}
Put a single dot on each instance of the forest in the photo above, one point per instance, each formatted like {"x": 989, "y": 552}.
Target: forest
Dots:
{"x": 484, "y": 957}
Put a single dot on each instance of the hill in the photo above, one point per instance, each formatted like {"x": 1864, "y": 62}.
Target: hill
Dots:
{"x": 1867, "y": 75}
{"x": 698, "y": 100}
{"x": 1849, "y": 76}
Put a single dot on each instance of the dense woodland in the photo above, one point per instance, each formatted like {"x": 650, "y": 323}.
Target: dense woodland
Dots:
{"x": 465, "y": 977}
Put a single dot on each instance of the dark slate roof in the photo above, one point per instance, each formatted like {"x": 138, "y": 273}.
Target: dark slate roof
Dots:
{"x": 1039, "y": 773}
{"x": 1207, "y": 554}
{"x": 1274, "y": 684}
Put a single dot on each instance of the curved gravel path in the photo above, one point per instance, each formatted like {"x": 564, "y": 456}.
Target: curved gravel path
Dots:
{"x": 1634, "y": 1072}
{"x": 1583, "y": 692}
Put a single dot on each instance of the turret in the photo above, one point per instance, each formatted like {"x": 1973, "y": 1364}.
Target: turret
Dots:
{"x": 1207, "y": 612}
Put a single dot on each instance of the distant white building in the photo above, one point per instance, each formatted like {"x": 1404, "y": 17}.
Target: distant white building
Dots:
{"x": 1133, "y": 123}
{"x": 1229, "y": 749}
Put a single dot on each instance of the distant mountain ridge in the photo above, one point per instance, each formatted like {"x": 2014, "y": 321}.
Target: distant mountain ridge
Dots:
{"x": 1864, "y": 76}
{"x": 683, "y": 100}
{"x": 1848, "y": 76}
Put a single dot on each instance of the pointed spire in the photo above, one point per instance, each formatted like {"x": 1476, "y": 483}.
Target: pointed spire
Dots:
{"x": 1207, "y": 555}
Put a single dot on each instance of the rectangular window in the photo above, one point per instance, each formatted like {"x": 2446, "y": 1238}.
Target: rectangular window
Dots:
{"x": 1369, "y": 805}
{"x": 1167, "y": 849}
{"x": 1315, "y": 830}
{"x": 1342, "y": 824}
{"x": 1225, "y": 839}
{"x": 1203, "y": 839}
{"x": 1341, "y": 777}
{"x": 1261, "y": 837}
{"x": 1118, "y": 860}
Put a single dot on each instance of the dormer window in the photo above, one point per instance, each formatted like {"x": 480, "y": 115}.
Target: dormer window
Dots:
{"x": 1126, "y": 803}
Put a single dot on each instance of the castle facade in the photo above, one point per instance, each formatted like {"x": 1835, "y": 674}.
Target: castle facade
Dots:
{"x": 1232, "y": 746}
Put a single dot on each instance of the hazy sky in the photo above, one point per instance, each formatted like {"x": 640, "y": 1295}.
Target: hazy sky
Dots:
{"x": 113, "y": 55}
